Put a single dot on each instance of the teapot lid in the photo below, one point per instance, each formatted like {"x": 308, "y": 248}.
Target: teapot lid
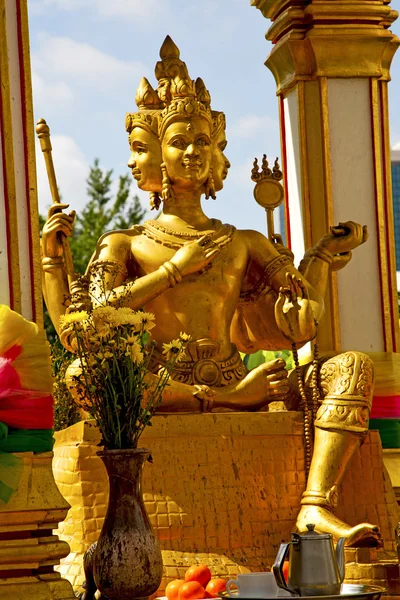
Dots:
{"x": 313, "y": 535}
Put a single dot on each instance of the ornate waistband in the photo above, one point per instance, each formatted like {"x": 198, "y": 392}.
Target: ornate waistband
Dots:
{"x": 206, "y": 371}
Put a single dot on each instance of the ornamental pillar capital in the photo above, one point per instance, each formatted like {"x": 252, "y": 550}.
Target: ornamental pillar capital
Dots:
{"x": 328, "y": 38}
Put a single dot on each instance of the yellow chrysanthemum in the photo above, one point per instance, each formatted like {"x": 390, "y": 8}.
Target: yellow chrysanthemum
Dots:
{"x": 74, "y": 317}
{"x": 185, "y": 337}
{"x": 173, "y": 350}
{"x": 104, "y": 314}
{"x": 136, "y": 353}
{"x": 126, "y": 316}
{"x": 147, "y": 320}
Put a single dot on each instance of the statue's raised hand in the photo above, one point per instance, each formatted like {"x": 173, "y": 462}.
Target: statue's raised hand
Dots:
{"x": 57, "y": 224}
{"x": 195, "y": 256}
{"x": 293, "y": 311}
{"x": 344, "y": 238}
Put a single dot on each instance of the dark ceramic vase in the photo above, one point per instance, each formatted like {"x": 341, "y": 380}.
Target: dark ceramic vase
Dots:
{"x": 127, "y": 562}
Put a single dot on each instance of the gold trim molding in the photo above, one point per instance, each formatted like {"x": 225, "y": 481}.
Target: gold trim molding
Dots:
{"x": 328, "y": 39}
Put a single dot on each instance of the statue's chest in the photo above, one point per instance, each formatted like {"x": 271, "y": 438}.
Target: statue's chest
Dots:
{"x": 227, "y": 268}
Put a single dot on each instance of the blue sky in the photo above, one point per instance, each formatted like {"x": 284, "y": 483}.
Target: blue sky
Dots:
{"x": 87, "y": 60}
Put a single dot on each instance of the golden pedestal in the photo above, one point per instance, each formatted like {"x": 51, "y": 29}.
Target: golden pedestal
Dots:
{"x": 29, "y": 550}
{"x": 223, "y": 489}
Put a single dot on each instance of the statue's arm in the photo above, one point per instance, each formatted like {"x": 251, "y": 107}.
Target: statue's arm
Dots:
{"x": 54, "y": 275}
{"x": 116, "y": 248}
{"x": 273, "y": 274}
{"x": 332, "y": 253}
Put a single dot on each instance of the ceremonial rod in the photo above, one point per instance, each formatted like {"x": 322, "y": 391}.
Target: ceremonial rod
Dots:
{"x": 43, "y": 133}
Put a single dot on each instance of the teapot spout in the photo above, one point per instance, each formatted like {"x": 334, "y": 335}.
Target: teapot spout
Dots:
{"x": 340, "y": 557}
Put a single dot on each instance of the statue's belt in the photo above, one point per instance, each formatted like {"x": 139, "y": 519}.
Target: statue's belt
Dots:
{"x": 206, "y": 371}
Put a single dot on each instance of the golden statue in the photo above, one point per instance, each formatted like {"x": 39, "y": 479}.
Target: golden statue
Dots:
{"x": 230, "y": 290}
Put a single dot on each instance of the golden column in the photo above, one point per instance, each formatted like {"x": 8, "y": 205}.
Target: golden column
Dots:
{"x": 28, "y": 548}
{"x": 331, "y": 62}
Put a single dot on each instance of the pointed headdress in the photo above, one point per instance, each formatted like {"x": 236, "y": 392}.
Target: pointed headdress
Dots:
{"x": 177, "y": 96}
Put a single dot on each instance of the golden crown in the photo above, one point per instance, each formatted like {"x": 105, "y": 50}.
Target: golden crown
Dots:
{"x": 177, "y": 96}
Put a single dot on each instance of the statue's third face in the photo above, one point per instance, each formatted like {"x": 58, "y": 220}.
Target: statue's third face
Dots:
{"x": 220, "y": 164}
{"x": 186, "y": 151}
{"x": 145, "y": 159}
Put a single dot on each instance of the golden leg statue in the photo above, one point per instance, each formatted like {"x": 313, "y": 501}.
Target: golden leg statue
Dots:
{"x": 341, "y": 425}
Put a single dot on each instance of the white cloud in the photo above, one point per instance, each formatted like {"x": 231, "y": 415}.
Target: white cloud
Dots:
{"x": 130, "y": 8}
{"x": 250, "y": 126}
{"x": 60, "y": 59}
{"x": 396, "y": 146}
{"x": 71, "y": 169}
{"x": 144, "y": 10}
{"x": 57, "y": 94}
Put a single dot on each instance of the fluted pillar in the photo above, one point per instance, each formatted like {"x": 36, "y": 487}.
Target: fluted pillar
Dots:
{"x": 19, "y": 222}
{"x": 29, "y": 550}
{"x": 331, "y": 62}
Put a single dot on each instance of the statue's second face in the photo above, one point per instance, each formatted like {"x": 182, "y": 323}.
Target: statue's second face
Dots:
{"x": 145, "y": 159}
{"x": 186, "y": 151}
{"x": 220, "y": 164}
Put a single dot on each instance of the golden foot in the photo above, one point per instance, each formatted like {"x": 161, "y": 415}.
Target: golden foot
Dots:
{"x": 363, "y": 535}
{"x": 267, "y": 383}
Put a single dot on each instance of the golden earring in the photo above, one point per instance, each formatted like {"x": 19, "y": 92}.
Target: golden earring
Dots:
{"x": 210, "y": 186}
{"x": 166, "y": 192}
{"x": 155, "y": 201}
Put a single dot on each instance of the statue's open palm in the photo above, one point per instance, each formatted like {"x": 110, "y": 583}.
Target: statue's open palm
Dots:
{"x": 293, "y": 311}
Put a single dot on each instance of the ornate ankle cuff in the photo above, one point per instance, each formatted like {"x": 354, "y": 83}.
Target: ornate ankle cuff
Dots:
{"x": 326, "y": 500}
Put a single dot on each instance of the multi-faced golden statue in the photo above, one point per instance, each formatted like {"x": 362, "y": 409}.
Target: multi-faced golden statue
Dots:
{"x": 231, "y": 290}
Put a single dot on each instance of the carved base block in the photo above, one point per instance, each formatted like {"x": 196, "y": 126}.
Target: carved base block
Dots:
{"x": 224, "y": 489}
{"x": 29, "y": 550}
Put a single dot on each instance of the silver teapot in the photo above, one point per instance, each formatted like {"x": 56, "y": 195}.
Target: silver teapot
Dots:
{"x": 315, "y": 569}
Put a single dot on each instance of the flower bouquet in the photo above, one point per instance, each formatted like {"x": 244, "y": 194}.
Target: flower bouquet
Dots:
{"x": 113, "y": 382}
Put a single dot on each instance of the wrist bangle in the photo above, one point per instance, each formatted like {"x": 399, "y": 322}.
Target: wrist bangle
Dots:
{"x": 322, "y": 253}
{"x": 172, "y": 273}
{"x": 49, "y": 263}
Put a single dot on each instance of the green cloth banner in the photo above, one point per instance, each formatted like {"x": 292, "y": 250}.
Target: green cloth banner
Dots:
{"x": 389, "y": 430}
{"x": 18, "y": 440}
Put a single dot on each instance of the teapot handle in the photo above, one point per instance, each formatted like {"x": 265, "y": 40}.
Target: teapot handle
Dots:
{"x": 340, "y": 558}
{"x": 278, "y": 568}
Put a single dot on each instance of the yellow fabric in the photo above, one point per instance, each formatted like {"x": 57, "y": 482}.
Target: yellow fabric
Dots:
{"x": 387, "y": 373}
{"x": 33, "y": 364}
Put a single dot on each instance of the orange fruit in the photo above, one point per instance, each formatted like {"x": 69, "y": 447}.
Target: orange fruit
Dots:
{"x": 214, "y": 586}
{"x": 285, "y": 570}
{"x": 172, "y": 589}
{"x": 191, "y": 590}
{"x": 199, "y": 573}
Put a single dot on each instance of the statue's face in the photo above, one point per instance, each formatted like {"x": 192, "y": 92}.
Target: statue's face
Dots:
{"x": 220, "y": 164}
{"x": 186, "y": 150}
{"x": 145, "y": 159}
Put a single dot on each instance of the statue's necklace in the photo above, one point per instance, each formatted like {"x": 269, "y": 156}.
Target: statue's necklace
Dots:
{"x": 174, "y": 239}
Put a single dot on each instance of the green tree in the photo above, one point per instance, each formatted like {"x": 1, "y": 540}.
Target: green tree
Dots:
{"x": 103, "y": 212}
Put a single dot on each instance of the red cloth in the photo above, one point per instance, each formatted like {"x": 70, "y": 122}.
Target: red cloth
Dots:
{"x": 385, "y": 407}
{"x": 27, "y": 411}
{"x": 19, "y": 408}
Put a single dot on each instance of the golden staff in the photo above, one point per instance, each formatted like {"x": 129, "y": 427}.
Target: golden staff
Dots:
{"x": 268, "y": 191}
{"x": 43, "y": 133}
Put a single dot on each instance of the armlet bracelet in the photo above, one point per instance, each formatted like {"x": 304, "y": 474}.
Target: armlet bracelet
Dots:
{"x": 172, "y": 273}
